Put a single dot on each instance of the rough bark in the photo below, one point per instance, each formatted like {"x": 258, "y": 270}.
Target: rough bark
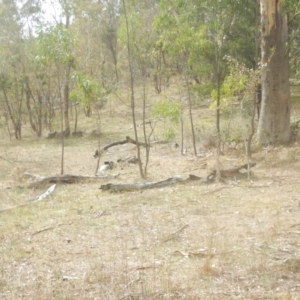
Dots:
{"x": 274, "y": 122}
{"x": 67, "y": 178}
{"x": 141, "y": 185}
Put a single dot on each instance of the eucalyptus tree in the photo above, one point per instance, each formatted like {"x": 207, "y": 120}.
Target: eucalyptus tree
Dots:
{"x": 200, "y": 33}
{"x": 29, "y": 97}
{"x": 11, "y": 51}
{"x": 34, "y": 76}
{"x": 128, "y": 42}
{"x": 110, "y": 22}
{"x": 55, "y": 48}
{"x": 95, "y": 27}
{"x": 194, "y": 32}
{"x": 274, "y": 121}
{"x": 137, "y": 35}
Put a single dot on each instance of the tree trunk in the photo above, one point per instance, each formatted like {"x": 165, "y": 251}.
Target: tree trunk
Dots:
{"x": 66, "y": 101}
{"x": 132, "y": 93}
{"x": 66, "y": 133}
{"x": 15, "y": 116}
{"x": 274, "y": 121}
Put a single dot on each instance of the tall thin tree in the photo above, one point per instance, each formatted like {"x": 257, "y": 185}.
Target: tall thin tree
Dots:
{"x": 130, "y": 66}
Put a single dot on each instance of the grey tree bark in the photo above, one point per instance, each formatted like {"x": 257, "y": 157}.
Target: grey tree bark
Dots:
{"x": 274, "y": 121}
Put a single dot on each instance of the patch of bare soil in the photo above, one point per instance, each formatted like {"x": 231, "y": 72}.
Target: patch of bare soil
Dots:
{"x": 238, "y": 239}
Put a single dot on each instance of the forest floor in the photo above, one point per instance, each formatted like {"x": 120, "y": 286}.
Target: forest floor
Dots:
{"x": 238, "y": 239}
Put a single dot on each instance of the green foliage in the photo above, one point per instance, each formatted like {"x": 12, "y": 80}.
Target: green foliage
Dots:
{"x": 141, "y": 35}
{"x": 239, "y": 84}
{"x": 169, "y": 133}
{"x": 241, "y": 79}
{"x": 292, "y": 8}
{"x": 87, "y": 91}
{"x": 55, "y": 44}
{"x": 200, "y": 33}
{"x": 233, "y": 85}
{"x": 5, "y": 82}
{"x": 167, "y": 110}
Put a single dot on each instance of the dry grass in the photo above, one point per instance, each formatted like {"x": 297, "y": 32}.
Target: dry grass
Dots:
{"x": 235, "y": 240}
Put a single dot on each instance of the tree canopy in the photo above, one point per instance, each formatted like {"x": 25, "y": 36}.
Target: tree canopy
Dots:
{"x": 81, "y": 48}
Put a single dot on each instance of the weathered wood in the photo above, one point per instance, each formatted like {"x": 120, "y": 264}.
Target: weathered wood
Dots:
{"x": 46, "y": 194}
{"x": 207, "y": 179}
{"x": 274, "y": 119}
{"x": 130, "y": 160}
{"x": 140, "y": 186}
{"x": 226, "y": 173}
{"x": 232, "y": 172}
{"x": 70, "y": 179}
{"x": 32, "y": 176}
{"x": 128, "y": 140}
{"x": 67, "y": 178}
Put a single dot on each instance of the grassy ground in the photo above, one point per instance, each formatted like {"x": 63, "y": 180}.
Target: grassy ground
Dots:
{"x": 238, "y": 239}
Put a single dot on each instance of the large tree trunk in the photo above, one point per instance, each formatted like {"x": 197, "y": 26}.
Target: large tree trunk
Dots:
{"x": 274, "y": 122}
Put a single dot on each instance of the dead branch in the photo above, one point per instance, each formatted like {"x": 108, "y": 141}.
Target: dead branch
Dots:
{"x": 50, "y": 228}
{"x": 173, "y": 180}
{"x": 128, "y": 140}
{"x": 99, "y": 215}
{"x": 172, "y": 235}
{"x": 67, "y": 178}
{"x": 32, "y": 176}
{"x": 140, "y": 186}
{"x": 46, "y": 194}
{"x": 44, "y": 229}
{"x": 207, "y": 179}
{"x": 201, "y": 254}
{"x": 193, "y": 254}
{"x": 232, "y": 172}
{"x": 226, "y": 173}
{"x": 180, "y": 229}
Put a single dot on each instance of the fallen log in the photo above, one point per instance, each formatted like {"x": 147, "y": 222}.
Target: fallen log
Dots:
{"x": 119, "y": 187}
{"x": 67, "y": 178}
{"x": 233, "y": 172}
{"x": 207, "y": 179}
{"x": 225, "y": 173}
{"x": 141, "y": 185}
{"x": 70, "y": 179}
